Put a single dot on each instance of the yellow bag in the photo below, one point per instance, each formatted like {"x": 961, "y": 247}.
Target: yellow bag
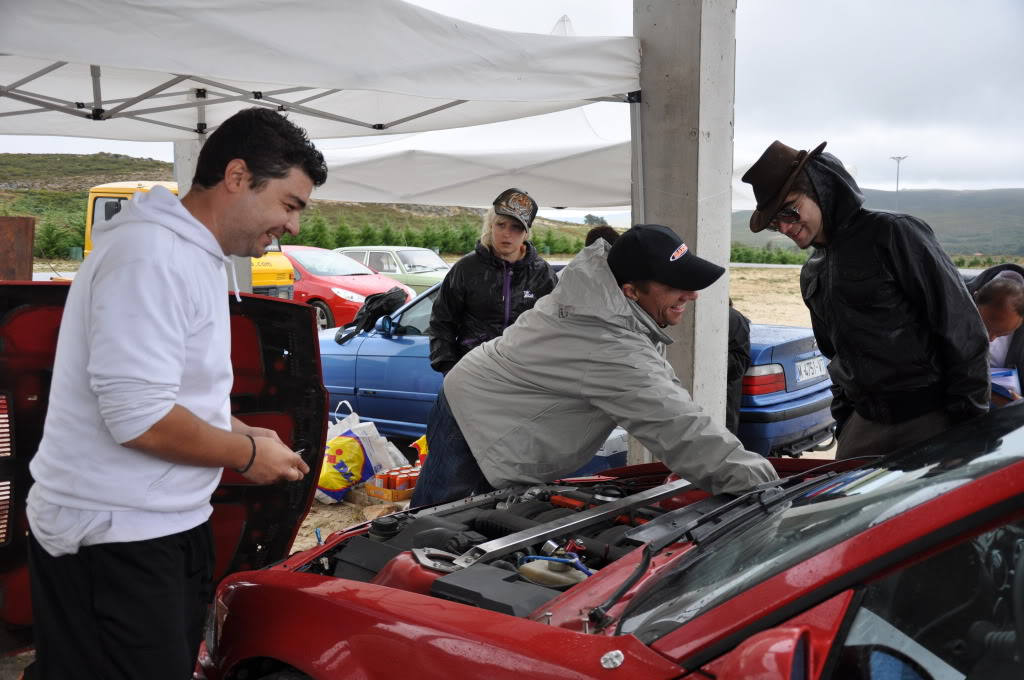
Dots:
{"x": 345, "y": 465}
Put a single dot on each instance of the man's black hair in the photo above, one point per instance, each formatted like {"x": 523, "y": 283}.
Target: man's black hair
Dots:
{"x": 269, "y": 143}
{"x": 605, "y": 232}
{"x": 1002, "y": 291}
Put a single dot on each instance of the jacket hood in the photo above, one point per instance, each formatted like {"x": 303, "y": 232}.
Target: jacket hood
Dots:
{"x": 490, "y": 258}
{"x": 160, "y": 206}
{"x": 839, "y": 197}
{"x": 984, "y": 277}
{"x": 587, "y": 288}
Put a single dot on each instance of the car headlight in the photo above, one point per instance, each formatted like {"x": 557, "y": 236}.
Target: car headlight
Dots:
{"x": 348, "y": 295}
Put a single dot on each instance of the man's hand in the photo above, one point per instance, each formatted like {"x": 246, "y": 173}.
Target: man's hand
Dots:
{"x": 274, "y": 461}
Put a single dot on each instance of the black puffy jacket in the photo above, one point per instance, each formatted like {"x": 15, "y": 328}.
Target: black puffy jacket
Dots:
{"x": 890, "y": 310}
{"x": 480, "y": 297}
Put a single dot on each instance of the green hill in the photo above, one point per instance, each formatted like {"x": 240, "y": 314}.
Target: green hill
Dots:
{"x": 53, "y": 188}
{"x": 990, "y": 222}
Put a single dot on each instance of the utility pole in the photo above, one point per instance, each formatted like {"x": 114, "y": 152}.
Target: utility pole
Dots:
{"x": 897, "y": 159}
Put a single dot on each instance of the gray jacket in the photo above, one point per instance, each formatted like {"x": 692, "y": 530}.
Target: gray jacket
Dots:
{"x": 537, "y": 403}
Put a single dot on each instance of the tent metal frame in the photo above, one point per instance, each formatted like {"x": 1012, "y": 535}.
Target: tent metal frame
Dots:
{"x": 210, "y": 93}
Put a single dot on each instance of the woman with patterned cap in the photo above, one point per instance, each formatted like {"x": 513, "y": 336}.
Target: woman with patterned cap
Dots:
{"x": 486, "y": 291}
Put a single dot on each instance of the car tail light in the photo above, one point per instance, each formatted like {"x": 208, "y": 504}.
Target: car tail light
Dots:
{"x": 764, "y": 379}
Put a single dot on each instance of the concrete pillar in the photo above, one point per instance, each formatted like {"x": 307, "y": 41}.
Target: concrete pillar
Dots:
{"x": 683, "y": 143}
{"x": 186, "y": 155}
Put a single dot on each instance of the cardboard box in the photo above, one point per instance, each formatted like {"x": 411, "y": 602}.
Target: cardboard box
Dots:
{"x": 389, "y": 495}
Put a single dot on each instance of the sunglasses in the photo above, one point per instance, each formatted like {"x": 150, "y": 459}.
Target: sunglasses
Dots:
{"x": 788, "y": 215}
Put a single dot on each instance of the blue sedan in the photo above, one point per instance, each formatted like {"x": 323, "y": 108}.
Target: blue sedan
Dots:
{"x": 386, "y": 377}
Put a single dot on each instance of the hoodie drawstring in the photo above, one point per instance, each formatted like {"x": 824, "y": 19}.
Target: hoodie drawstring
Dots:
{"x": 234, "y": 278}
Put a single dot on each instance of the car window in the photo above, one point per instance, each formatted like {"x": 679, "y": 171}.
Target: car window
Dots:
{"x": 382, "y": 262}
{"x": 422, "y": 261}
{"x": 100, "y": 209}
{"x": 823, "y": 517}
{"x": 949, "y": 616}
{"x": 357, "y": 255}
{"x": 321, "y": 262}
{"x": 416, "y": 319}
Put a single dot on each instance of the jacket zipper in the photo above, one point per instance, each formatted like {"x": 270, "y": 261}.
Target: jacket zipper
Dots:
{"x": 506, "y": 293}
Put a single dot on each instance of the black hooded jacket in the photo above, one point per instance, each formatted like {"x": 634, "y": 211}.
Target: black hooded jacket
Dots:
{"x": 890, "y": 310}
{"x": 480, "y": 297}
{"x": 1015, "y": 353}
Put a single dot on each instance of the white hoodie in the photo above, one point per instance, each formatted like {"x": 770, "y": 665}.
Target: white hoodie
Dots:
{"x": 145, "y": 327}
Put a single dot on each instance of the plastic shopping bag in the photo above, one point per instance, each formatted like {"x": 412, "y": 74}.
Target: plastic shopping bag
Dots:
{"x": 345, "y": 465}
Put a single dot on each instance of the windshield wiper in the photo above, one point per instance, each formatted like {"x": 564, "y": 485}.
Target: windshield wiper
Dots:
{"x": 704, "y": 530}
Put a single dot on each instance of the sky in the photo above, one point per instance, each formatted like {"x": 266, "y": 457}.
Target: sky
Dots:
{"x": 938, "y": 81}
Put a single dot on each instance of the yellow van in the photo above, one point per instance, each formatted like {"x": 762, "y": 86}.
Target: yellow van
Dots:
{"x": 272, "y": 274}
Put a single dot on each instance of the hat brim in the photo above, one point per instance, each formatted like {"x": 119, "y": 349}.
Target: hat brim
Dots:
{"x": 761, "y": 217}
{"x": 694, "y": 273}
{"x": 508, "y": 213}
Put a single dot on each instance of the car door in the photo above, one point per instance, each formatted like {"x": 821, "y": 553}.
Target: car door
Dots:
{"x": 396, "y": 386}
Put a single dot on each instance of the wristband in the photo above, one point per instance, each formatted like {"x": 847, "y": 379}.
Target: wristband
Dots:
{"x": 252, "y": 458}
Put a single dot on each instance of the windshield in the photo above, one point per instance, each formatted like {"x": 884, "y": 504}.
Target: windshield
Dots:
{"x": 328, "y": 263}
{"x": 821, "y": 518}
{"x": 421, "y": 260}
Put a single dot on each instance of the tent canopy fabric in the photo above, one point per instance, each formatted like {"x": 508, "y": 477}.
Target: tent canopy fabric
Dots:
{"x": 558, "y": 158}
{"x": 161, "y": 71}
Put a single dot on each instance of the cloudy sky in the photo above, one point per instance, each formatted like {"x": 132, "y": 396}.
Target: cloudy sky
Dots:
{"x": 938, "y": 81}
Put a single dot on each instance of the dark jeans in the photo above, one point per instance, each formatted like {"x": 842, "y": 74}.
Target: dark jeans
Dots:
{"x": 450, "y": 471}
{"x": 122, "y": 610}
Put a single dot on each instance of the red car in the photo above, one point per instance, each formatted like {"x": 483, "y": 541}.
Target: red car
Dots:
{"x": 335, "y": 285}
{"x": 908, "y": 567}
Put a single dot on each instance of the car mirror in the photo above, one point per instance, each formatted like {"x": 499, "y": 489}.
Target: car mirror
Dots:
{"x": 778, "y": 654}
{"x": 385, "y": 325}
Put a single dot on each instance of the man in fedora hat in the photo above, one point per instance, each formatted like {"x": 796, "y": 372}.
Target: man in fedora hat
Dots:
{"x": 908, "y": 351}
{"x": 536, "y": 403}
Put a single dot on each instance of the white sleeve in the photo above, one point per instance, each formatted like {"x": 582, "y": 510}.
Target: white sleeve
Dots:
{"x": 137, "y": 332}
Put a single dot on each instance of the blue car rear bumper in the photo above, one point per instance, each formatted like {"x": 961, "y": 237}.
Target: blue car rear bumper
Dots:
{"x": 788, "y": 426}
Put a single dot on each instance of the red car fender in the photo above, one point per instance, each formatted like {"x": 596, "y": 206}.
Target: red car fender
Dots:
{"x": 335, "y": 628}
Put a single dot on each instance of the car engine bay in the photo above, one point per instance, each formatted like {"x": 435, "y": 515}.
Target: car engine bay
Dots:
{"x": 513, "y": 550}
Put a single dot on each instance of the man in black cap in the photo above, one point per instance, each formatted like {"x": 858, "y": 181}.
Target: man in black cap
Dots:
{"x": 908, "y": 350}
{"x": 538, "y": 402}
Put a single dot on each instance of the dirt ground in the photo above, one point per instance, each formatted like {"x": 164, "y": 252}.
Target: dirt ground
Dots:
{"x": 769, "y": 296}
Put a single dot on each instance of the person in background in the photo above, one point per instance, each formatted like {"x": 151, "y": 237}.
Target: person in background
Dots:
{"x": 607, "y": 233}
{"x": 999, "y": 294}
{"x": 139, "y": 425}
{"x": 738, "y": 363}
{"x": 487, "y": 290}
{"x": 908, "y": 351}
{"x": 538, "y": 402}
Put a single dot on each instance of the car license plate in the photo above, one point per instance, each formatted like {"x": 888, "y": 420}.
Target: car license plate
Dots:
{"x": 810, "y": 368}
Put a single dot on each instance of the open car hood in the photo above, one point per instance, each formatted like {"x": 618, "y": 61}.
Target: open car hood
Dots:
{"x": 278, "y": 385}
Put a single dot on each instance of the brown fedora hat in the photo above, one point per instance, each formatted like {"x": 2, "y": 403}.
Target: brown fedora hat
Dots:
{"x": 772, "y": 176}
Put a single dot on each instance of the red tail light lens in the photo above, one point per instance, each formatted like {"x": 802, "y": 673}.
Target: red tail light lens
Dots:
{"x": 764, "y": 379}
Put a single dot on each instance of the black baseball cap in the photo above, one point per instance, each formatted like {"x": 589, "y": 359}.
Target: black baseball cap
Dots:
{"x": 518, "y": 204}
{"x": 652, "y": 252}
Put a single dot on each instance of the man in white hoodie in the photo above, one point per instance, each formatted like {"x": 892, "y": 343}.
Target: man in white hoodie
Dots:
{"x": 139, "y": 427}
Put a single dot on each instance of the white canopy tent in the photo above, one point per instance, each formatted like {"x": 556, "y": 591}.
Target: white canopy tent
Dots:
{"x": 173, "y": 71}
{"x": 559, "y": 158}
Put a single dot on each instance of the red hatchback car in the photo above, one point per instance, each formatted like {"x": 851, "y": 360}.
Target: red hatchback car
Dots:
{"x": 908, "y": 568}
{"x": 335, "y": 285}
